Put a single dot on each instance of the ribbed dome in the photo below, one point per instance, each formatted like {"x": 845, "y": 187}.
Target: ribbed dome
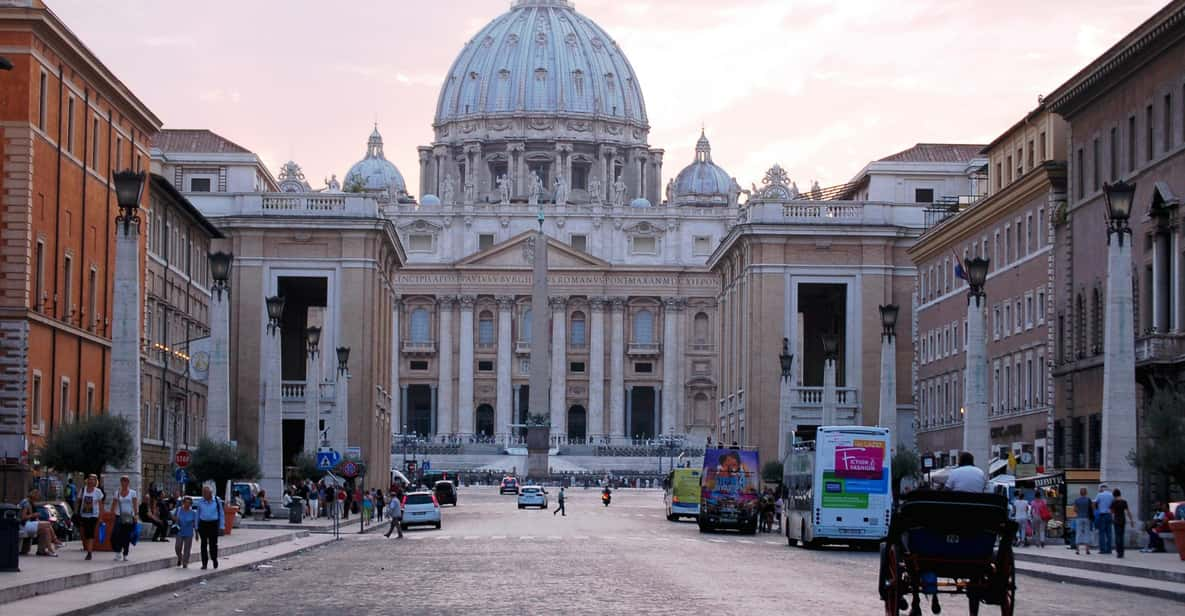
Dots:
{"x": 541, "y": 57}
{"x": 703, "y": 181}
{"x": 375, "y": 172}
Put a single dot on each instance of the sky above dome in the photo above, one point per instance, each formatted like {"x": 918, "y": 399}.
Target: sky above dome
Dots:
{"x": 820, "y": 87}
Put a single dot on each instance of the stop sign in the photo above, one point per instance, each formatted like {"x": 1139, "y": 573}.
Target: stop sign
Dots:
{"x": 182, "y": 458}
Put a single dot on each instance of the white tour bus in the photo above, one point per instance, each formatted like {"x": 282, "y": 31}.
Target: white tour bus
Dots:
{"x": 838, "y": 487}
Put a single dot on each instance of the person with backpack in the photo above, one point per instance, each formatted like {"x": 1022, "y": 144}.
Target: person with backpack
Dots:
{"x": 211, "y": 521}
{"x": 1041, "y": 517}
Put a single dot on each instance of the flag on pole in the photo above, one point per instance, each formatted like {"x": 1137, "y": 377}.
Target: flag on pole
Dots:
{"x": 960, "y": 272}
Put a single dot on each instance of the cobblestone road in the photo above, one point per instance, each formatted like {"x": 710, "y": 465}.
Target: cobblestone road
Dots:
{"x": 491, "y": 558}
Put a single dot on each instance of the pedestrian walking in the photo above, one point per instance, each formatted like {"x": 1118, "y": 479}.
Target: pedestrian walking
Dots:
{"x": 124, "y": 505}
{"x": 395, "y": 513}
{"x": 90, "y": 500}
{"x": 211, "y": 521}
{"x": 1104, "y": 521}
{"x": 560, "y": 499}
{"x": 314, "y": 497}
{"x": 1041, "y": 517}
{"x": 1021, "y": 511}
{"x": 380, "y": 504}
{"x": 778, "y": 506}
{"x": 186, "y": 518}
{"x": 1082, "y": 517}
{"x": 1121, "y": 518}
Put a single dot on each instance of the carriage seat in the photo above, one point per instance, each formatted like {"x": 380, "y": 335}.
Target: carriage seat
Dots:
{"x": 954, "y": 511}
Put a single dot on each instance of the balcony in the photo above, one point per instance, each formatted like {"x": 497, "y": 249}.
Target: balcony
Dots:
{"x": 1154, "y": 348}
{"x": 644, "y": 349}
{"x": 295, "y": 391}
{"x": 419, "y": 349}
{"x": 522, "y": 347}
{"x": 702, "y": 347}
{"x": 309, "y": 205}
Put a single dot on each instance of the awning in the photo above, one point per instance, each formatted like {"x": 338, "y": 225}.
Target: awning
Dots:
{"x": 1046, "y": 480}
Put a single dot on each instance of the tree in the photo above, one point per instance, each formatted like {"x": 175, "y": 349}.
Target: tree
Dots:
{"x": 1163, "y": 451}
{"x": 222, "y": 462}
{"x": 771, "y": 471}
{"x": 305, "y": 467}
{"x": 905, "y": 466}
{"x": 89, "y": 446}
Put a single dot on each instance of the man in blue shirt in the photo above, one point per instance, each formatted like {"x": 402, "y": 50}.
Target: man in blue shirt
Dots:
{"x": 211, "y": 521}
{"x": 1103, "y": 519}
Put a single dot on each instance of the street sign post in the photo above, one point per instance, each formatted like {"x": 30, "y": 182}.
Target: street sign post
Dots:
{"x": 182, "y": 458}
{"x": 353, "y": 453}
{"x": 349, "y": 470}
{"x": 327, "y": 459}
{"x": 181, "y": 476}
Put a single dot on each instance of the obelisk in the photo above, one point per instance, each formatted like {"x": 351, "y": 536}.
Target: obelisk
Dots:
{"x": 539, "y": 429}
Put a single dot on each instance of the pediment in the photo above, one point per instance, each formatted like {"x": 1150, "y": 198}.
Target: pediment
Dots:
{"x": 514, "y": 253}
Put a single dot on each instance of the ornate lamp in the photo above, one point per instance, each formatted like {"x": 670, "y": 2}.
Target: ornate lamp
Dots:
{"x": 830, "y": 346}
{"x": 1118, "y": 197}
{"x": 312, "y": 337}
{"x": 787, "y": 358}
{"x": 220, "y": 271}
{"x": 889, "y": 319}
{"x": 977, "y": 271}
{"x": 129, "y": 185}
{"x": 275, "y": 311}
{"x": 5, "y": 64}
{"x": 343, "y": 359}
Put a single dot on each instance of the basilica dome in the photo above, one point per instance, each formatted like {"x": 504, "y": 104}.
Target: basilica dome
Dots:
{"x": 375, "y": 172}
{"x": 703, "y": 181}
{"x": 541, "y": 58}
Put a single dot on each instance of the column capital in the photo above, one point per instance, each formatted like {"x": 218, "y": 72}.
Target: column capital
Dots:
{"x": 397, "y": 302}
{"x": 617, "y": 304}
{"x": 674, "y": 304}
{"x": 516, "y": 146}
{"x": 557, "y": 302}
{"x": 467, "y": 302}
{"x": 446, "y": 301}
{"x": 505, "y": 302}
{"x": 597, "y": 304}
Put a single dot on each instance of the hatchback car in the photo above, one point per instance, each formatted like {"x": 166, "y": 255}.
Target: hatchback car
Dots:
{"x": 509, "y": 486}
{"x": 446, "y": 493}
{"x": 420, "y": 509}
{"x": 532, "y": 496}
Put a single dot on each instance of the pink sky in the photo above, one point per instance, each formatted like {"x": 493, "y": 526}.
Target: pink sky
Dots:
{"x": 820, "y": 86}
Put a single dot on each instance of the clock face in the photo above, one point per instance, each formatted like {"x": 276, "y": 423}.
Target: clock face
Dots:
{"x": 201, "y": 361}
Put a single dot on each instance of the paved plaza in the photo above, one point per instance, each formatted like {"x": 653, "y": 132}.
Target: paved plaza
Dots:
{"x": 491, "y": 558}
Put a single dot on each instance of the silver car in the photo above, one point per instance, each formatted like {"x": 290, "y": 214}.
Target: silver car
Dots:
{"x": 532, "y": 496}
{"x": 420, "y": 509}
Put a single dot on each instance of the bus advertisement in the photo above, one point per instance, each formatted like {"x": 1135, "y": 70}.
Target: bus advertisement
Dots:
{"x": 729, "y": 490}
{"x": 838, "y": 487}
{"x": 682, "y": 493}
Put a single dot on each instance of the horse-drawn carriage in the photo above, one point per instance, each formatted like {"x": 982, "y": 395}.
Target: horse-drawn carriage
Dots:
{"x": 949, "y": 543}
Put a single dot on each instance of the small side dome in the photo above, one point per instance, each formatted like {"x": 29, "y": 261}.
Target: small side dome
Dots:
{"x": 640, "y": 202}
{"x": 430, "y": 200}
{"x": 703, "y": 182}
{"x": 375, "y": 173}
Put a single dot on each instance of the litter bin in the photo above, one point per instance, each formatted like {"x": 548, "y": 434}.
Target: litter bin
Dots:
{"x": 10, "y": 537}
{"x": 296, "y": 510}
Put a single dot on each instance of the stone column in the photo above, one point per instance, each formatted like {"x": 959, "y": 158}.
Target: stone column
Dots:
{"x": 444, "y": 394}
{"x": 1160, "y": 282}
{"x": 465, "y": 367}
{"x": 425, "y": 153}
{"x": 629, "y": 411}
{"x": 218, "y": 379}
{"x": 887, "y": 412}
{"x": 503, "y": 408}
{"x": 617, "y": 426}
{"x": 976, "y": 430}
{"x": 596, "y": 369}
{"x": 1175, "y": 281}
{"x": 404, "y": 420}
{"x": 785, "y": 440}
{"x": 398, "y": 394}
{"x": 340, "y": 433}
{"x": 271, "y": 417}
{"x": 670, "y": 363}
{"x": 559, "y": 366}
{"x": 1119, "y": 374}
{"x": 312, "y": 403}
{"x": 434, "y": 405}
{"x": 829, "y": 403}
{"x": 125, "y": 349}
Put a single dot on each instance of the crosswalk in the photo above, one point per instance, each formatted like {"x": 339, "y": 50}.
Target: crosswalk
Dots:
{"x": 438, "y": 537}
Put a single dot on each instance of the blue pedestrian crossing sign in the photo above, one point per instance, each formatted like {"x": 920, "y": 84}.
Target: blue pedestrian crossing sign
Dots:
{"x": 327, "y": 459}
{"x": 181, "y": 475}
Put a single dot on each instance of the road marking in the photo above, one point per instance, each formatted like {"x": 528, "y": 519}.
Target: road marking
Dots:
{"x": 717, "y": 540}
{"x": 744, "y": 541}
{"x": 470, "y": 537}
{"x": 444, "y": 537}
{"x": 413, "y": 537}
{"x": 526, "y": 538}
{"x": 498, "y": 537}
{"x": 640, "y": 515}
{"x": 773, "y": 543}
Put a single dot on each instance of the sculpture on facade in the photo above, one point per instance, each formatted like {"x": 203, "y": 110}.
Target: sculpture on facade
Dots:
{"x": 561, "y": 190}
{"x": 671, "y": 190}
{"x": 470, "y": 191}
{"x": 503, "y": 189}
{"x": 332, "y": 185}
{"x": 595, "y": 191}
{"x": 536, "y": 189}
{"x": 618, "y": 193}
{"x": 447, "y": 192}
{"x": 734, "y": 193}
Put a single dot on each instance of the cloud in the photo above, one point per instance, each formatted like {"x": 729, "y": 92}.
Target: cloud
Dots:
{"x": 218, "y": 95}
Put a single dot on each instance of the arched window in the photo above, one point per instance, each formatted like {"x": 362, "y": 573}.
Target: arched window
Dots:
{"x": 485, "y": 327}
{"x": 700, "y": 328}
{"x": 526, "y": 328}
{"x": 579, "y": 338}
{"x": 421, "y": 330}
{"x": 644, "y": 327}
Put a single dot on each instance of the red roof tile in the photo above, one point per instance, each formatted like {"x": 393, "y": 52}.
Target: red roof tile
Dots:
{"x": 936, "y": 153}
{"x": 200, "y": 141}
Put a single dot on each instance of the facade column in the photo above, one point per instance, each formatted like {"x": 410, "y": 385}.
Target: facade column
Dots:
{"x": 340, "y": 434}
{"x": 503, "y": 409}
{"x": 629, "y": 412}
{"x": 312, "y": 403}
{"x": 1159, "y": 281}
{"x": 218, "y": 380}
{"x": 829, "y": 403}
{"x": 518, "y": 394}
{"x": 1119, "y": 373}
{"x": 617, "y": 426}
{"x": 670, "y": 362}
{"x": 403, "y": 418}
{"x": 398, "y": 394}
{"x": 444, "y": 394}
{"x": 1175, "y": 303}
{"x": 596, "y": 369}
{"x": 976, "y": 429}
{"x": 465, "y": 367}
{"x": 435, "y": 408}
{"x": 271, "y": 417}
{"x": 887, "y": 408}
{"x": 559, "y": 366}
{"x": 125, "y": 347}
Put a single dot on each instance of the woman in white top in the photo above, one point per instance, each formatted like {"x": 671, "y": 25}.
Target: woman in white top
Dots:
{"x": 124, "y": 505}
{"x": 90, "y": 500}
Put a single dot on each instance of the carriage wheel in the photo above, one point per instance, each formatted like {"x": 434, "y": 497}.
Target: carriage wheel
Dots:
{"x": 892, "y": 582}
{"x": 1007, "y": 570}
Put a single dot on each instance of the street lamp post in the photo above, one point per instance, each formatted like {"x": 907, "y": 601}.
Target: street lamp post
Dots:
{"x": 271, "y": 441}
{"x": 218, "y": 378}
{"x": 785, "y": 390}
{"x": 125, "y": 327}
{"x": 1119, "y": 356}
{"x": 312, "y": 390}
{"x": 830, "y": 353}
{"x": 887, "y": 415}
{"x": 976, "y": 433}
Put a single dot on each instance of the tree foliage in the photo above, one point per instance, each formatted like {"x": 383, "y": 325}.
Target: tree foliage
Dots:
{"x": 305, "y": 467}
{"x": 89, "y": 446}
{"x": 772, "y": 471}
{"x": 221, "y": 462}
{"x": 906, "y": 465}
{"x": 1163, "y": 449}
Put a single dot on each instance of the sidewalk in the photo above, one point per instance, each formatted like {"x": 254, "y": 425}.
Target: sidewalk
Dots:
{"x": 1161, "y": 575}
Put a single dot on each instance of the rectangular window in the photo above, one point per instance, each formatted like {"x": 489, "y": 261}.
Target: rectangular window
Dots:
{"x": 1028, "y": 383}
{"x": 923, "y": 195}
{"x": 1079, "y": 170}
{"x": 92, "y": 300}
{"x": 485, "y": 241}
{"x": 485, "y": 365}
{"x": 419, "y": 242}
{"x": 485, "y": 331}
{"x": 1007, "y": 243}
{"x": 1040, "y": 307}
{"x": 644, "y": 245}
{"x": 1114, "y": 154}
{"x": 118, "y": 153}
{"x": 1020, "y": 321}
{"x": 580, "y": 177}
{"x": 90, "y": 399}
{"x": 1041, "y": 144}
{"x": 1149, "y": 131}
{"x": 643, "y": 367}
{"x": 580, "y": 242}
{"x": 1032, "y": 162}
{"x": 64, "y": 408}
{"x": 68, "y": 295}
{"x": 1029, "y": 245}
{"x": 1028, "y": 311}
{"x": 1167, "y": 129}
{"x": 1096, "y": 165}
{"x": 35, "y": 411}
{"x": 1010, "y": 176}
{"x": 39, "y": 274}
{"x": 1039, "y": 394}
{"x": 70, "y": 124}
{"x": 996, "y": 322}
{"x": 1007, "y": 318}
{"x": 43, "y": 101}
{"x": 1020, "y": 162}
{"x": 199, "y": 185}
{"x": 576, "y": 367}
{"x": 95, "y": 143}
{"x": 701, "y": 245}
{"x": 417, "y": 364}
{"x": 999, "y": 176}
{"x": 1131, "y": 143}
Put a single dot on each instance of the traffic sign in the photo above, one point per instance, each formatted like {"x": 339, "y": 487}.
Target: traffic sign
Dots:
{"x": 327, "y": 459}
{"x": 182, "y": 458}
{"x": 350, "y": 469}
{"x": 181, "y": 475}
{"x": 426, "y": 466}
{"x": 353, "y": 453}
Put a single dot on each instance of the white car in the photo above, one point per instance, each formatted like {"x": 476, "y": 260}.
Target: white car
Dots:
{"x": 532, "y": 496}
{"x": 420, "y": 509}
